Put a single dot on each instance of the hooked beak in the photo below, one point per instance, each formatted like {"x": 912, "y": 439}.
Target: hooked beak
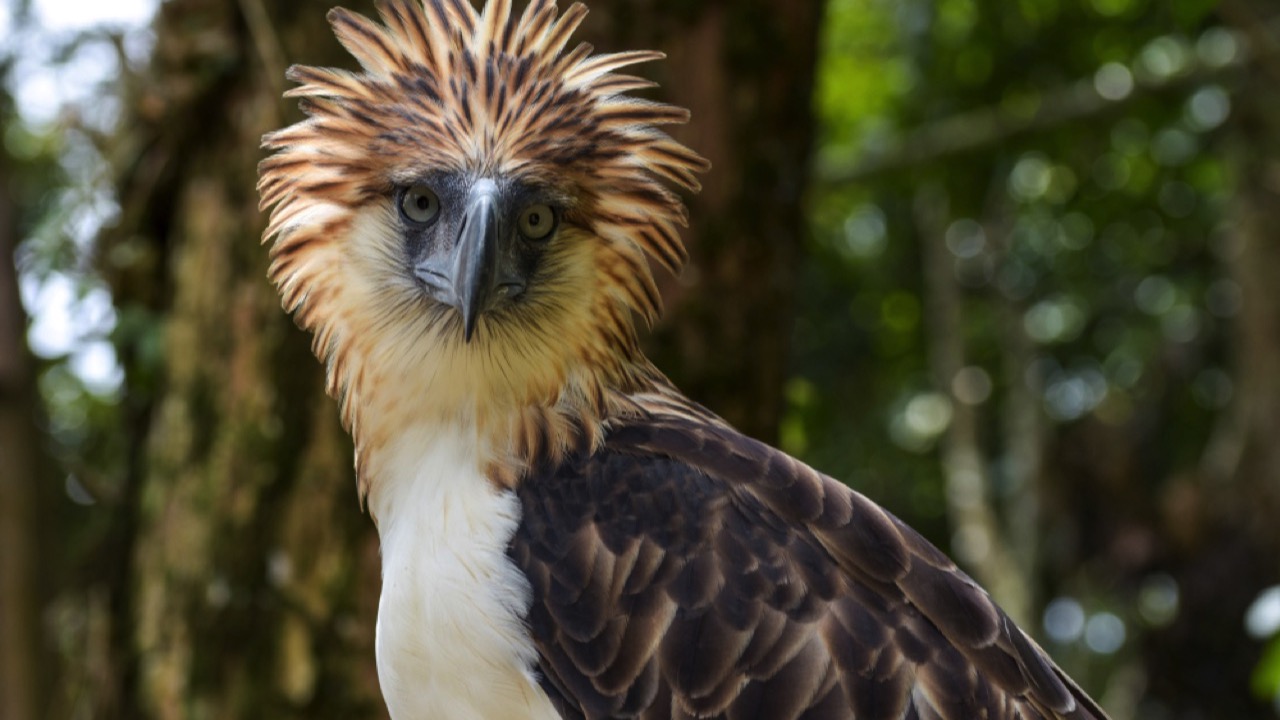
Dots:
{"x": 476, "y": 256}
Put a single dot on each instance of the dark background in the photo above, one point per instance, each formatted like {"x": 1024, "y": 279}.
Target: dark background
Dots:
{"x": 1009, "y": 267}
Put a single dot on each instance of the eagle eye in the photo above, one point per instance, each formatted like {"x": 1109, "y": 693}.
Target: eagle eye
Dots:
{"x": 419, "y": 205}
{"x": 537, "y": 221}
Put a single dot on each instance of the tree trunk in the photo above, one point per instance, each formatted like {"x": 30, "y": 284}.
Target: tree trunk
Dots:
{"x": 1245, "y": 456}
{"x": 20, "y": 651}
{"x": 745, "y": 70}
{"x": 253, "y": 581}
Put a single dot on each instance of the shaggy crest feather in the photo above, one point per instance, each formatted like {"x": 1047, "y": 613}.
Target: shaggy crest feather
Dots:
{"x": 445, "y": 88}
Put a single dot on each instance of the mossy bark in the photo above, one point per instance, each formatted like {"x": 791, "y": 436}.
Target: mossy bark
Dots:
{"x": 22, "y": 685}
{"x": 252, "y": 581}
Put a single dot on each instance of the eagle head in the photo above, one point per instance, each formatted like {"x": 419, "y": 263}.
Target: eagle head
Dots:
{"x": 463, "y": 223}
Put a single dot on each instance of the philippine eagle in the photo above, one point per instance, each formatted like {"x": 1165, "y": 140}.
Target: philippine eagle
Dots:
{"x": 463, "y": 226}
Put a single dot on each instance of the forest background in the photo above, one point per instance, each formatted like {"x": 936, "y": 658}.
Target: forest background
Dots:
{"x": 1009, "y": 267}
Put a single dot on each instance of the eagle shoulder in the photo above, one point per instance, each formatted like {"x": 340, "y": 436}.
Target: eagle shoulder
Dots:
{"x": 685, "y": 570}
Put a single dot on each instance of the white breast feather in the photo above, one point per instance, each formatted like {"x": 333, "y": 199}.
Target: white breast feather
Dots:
{"x": 451, "y": 642}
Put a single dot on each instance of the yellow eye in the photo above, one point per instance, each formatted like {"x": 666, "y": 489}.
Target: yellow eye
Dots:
{"x": 537, "y": 221}
{"x": 419, "y": 204}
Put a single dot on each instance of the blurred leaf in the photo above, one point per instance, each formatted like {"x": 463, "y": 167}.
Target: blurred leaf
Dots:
{"x": 1266, "y": 678}
{"x": 1190, "y": 14}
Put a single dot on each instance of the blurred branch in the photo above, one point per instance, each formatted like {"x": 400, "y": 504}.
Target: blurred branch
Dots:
{"x": 989, "y": 126}
{"x": 266, "y": 43}
{"x": 979, "y": 543}
{"x": 1263, "y": 35}
{"x": 1022, "y": 421}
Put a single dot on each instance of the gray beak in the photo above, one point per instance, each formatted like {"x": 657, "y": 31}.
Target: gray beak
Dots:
{"x": 463, "y": 274}
{"x": 482, "y": 266}
{"x": 476, "y": 256}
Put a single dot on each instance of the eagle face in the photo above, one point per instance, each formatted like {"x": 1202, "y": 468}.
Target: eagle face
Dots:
{"x": 475, "y": 244}
{"x": 475, "y": 288}
{"x": 483, "y": 247}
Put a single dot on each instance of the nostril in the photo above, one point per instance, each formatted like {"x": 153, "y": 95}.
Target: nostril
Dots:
{"x": 509, "y": 289}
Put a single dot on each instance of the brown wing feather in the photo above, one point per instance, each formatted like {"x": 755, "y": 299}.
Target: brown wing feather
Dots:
{"x": 684, "y": 570}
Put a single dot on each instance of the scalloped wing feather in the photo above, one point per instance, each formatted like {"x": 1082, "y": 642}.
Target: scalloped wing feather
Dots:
{"x": 755, "y": 587}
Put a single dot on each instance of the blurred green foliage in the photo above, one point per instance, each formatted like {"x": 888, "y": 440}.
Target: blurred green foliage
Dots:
{"x": 1076, "y": 152}
{"x": 1112, "y": 223}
